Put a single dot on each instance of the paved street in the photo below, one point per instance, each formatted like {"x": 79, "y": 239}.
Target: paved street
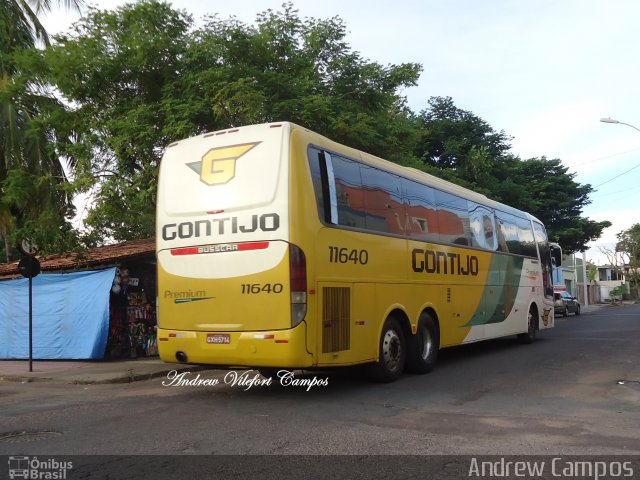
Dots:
{"x": 576, "y": 390}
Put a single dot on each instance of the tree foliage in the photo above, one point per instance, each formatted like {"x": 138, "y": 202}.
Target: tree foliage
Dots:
{"x": 143, "y": 76}
{"x": 629, "y": 245}
{"x": 119, "y": 71}
{"x": 544, "y": 188}
{"x": 139, "y": 77}
{"x": 457, "y": 139}
{"x": 629, "y": 242}
{"x": 27, "y": 138}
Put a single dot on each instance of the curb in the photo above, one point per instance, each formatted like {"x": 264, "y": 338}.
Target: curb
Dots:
{"x": 112, "y": 378}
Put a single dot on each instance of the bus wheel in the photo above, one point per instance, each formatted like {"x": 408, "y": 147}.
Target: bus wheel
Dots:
{"x": 423, "y": 346}
{"x": 391, "y": 359}
{"x": 530, "y": 336}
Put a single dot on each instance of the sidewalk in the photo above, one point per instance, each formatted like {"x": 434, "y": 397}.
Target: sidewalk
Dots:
{"x": 89, "y": 371}
{"x": 599, "y": 306}
{"x": 593, "y": 307}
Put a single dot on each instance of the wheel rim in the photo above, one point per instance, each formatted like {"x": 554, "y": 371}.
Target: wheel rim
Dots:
{"x": 427, "y": 343}
{"x": 391, "y": 349}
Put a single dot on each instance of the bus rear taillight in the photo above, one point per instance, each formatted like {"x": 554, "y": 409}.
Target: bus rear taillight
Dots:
{"x": 298, "y": 284}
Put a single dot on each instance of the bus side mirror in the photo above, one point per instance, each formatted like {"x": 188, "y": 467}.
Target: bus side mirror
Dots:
{"x": 556, "y": 254}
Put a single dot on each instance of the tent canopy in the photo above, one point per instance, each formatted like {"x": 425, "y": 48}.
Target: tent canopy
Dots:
{"x": 70, "y": 316}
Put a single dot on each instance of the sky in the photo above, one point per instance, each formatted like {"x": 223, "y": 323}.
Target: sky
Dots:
{"x": 544, "y": 72}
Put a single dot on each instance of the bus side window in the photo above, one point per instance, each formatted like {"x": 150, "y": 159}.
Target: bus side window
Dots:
{"x": 482, "y": 224}
{"x": 349, "y": 192}
{"x": 502, "y": 241}
{"x": 525, "y": 236}
{"x": 545, "y": 258}
{"x": 420, "y": 221}
{"x": 330, "y": 202}
{"x": 323, "y": 180}
{"x": 318, "y": 178}
{"x": 382, "y": 200}
{"x": 453, "y": 219}
{"x": 509, "y": 230}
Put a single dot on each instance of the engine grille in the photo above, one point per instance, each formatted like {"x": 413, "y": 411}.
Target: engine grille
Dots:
{"x": 336, "y": 319}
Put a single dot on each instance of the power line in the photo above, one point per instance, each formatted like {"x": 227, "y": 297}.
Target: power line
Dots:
{"x": 617, "y": 176}
{"x": 599, "y": 194}
{"x": 605, "y": 158}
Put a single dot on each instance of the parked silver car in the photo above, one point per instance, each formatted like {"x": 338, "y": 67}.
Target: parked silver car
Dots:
{"x": 564, "y": 304}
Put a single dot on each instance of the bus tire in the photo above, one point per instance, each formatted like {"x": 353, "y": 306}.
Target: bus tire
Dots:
{"x": 422, "y": 350}
{"x": 530, "y": 335}
{"x": 393, "y": 351}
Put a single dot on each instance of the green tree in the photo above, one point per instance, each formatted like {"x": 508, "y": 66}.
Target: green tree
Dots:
{"x": 592, "y": 272}
{"x": 38, "y": 207}
{"x": 142, "y": 76}
{"x": 629, "y": 244}
{"x": 617, "y": 292}
{"x": 457, "y": 139}
{"x": 118, "y": 69}
{"x": 544, "y": 188}
{"x": 26, "y": 139}
{"x": 21, "y": 27}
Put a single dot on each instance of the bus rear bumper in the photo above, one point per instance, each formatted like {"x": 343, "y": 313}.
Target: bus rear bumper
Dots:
{"x": 277, "y": 348}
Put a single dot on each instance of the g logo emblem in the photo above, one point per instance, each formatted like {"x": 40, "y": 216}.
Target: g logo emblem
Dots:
{"x": 218, "y": 165}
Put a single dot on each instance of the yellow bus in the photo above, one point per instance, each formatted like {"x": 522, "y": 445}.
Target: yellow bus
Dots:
{"x": 279, "y": 248}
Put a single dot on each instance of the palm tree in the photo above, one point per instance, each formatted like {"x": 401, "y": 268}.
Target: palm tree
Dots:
{"x": 24, "y": 14}
{"x": 24, "y": 142}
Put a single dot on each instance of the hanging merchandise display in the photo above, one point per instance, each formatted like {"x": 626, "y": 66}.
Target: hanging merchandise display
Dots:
{"x": 133, "y": 324}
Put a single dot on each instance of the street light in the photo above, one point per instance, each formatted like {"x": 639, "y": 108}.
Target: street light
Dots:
{"x": 610, "y": 120}
{"x": 613, "y": 120}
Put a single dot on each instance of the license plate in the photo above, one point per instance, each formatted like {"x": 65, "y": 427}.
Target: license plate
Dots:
{"x": 218, "y": 338}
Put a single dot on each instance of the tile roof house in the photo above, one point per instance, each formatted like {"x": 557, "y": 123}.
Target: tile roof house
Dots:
{"x": 93, "y": 258}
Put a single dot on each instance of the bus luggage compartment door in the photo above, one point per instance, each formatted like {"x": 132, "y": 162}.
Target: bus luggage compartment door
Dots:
{"x": 346, "y": 328}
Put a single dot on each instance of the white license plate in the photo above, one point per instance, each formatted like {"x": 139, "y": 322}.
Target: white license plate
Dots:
{"x": 218, "y": 338}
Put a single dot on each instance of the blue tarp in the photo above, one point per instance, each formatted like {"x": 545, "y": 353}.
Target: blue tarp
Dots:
{"x": 70, "y": 315}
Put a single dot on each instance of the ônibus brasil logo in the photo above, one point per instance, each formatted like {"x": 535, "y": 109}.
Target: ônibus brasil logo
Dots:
{"x": 32, "y": 468}
{"x": 218, "y": 165}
